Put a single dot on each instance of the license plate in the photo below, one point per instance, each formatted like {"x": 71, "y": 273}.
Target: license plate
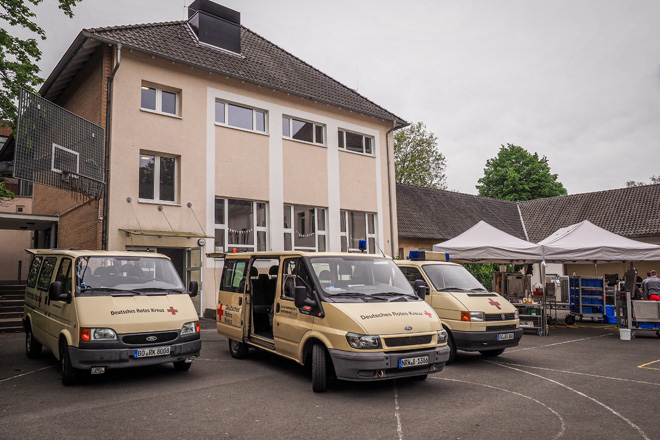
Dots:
{"x": 504, "y": 336}
{"x": 149, "y": 352}
{"x": 413, "y": 362}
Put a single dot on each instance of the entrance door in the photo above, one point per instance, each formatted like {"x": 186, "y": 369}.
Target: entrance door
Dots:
{"x": 194, "y": 272}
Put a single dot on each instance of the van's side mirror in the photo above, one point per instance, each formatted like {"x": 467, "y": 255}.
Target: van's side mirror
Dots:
{"x": 55, "y": 292}
{"x": 193, "y": 288}
{"x": 420, "y": 288}
{"x": 300, "y": 298}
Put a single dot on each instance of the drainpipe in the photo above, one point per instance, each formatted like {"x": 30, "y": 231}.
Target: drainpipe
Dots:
{"x": 106, "y": 161}
{"x": 389, "y": 184}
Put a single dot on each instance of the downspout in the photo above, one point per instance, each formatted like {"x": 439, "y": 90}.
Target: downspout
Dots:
{"x": 389, "y": 186}
{"x": 106, "y": 161}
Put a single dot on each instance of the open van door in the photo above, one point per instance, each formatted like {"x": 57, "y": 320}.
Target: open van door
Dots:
{"x": 231, "y": 298}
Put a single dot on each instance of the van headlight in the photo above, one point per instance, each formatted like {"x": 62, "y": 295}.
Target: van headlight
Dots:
{"x": 97, "y": 334}
{"x": 363, "y": 342}
{"x": 516, "y": 314}
{"x": 189, "y": 328}
{"x": 442, "y": 336}
{"x": 477, "y": 316}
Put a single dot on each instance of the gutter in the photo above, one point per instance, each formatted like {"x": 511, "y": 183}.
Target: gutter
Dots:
{"x": 106, "y": 161}
{"x": 389, "y": 183}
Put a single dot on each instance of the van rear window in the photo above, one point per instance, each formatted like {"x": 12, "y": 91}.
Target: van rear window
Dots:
{"x": 46, "y": 273}
{"x": 34, "y": 271}
{"x": 233, "y": 276}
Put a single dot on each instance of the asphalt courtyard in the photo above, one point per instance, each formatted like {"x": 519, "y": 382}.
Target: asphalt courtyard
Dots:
{"x": 577, "y": 383}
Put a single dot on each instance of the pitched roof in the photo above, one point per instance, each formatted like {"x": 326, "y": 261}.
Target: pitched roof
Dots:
{"x": 261, "y": 62}
{"x": 630, "y": 212}
{"x": 427, "y": 213}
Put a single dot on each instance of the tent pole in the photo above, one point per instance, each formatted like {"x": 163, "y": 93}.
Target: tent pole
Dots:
{"x": 544, "y": 318}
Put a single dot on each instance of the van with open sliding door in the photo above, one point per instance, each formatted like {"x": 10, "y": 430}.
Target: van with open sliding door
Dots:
{"x": 350, "y": 316}
{"x": 96, "y": 310}
{"x": 476, "y": 319}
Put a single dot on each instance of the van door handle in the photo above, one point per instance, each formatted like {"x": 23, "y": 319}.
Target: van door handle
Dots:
{"x": 240, "y": 301}
{"x": 277, "y": 308}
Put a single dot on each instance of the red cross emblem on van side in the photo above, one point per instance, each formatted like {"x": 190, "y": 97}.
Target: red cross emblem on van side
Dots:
{"x": 494, "y": 303}
{"x": 220, "y": 312}
{"x": 172, "y": 310}
{"x": 426, "y": 312}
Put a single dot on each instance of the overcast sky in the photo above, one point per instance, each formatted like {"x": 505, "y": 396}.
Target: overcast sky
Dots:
{"x": 575, "y": 81}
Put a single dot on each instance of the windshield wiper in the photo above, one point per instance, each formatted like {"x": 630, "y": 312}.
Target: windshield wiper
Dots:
{"x": 478, "y": 289}
{"x": 348, "y": 294}
{"x": 114, "y": 292}
{"x": 159, "y": 290}
{"x": 393, "y": 296}
{"x": 452, "y": 289}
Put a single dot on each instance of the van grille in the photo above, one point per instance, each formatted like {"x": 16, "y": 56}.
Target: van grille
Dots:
{"x": 500, "y": 327}
{"x": 500, "y": 316}
{"x": 142, "y": 338}
{"x": 408, "y": 340}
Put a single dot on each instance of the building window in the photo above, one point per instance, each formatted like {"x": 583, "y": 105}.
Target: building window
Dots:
{"x": 237, "y": 116}
{"x": 159, "y": 100}
{"x": 303, "y": 130}
{"x": 356, "y": 226}
{"x": 240, "y": 225}
{"x": 355, "y": 142}
{"x": 304, "y": 228}
{"x": 25, "y": 188}
{"x": 158, "y": 178}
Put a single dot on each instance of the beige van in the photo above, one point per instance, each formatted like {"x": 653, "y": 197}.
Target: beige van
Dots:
{"x": 97, "y": 310}
{"x": 349, "y": 316}
{"x": 476, "y": 319}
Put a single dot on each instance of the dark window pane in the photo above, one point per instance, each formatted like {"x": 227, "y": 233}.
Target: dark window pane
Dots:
{"x": 220, "y": 112}
{"x": 286, "y": 127}
{"x": 303, "y": 131}
{"x": 342, "y": 216}
{"x": 367, "y": 145}
{"x": 147, "y": 165}
{"x": 304, "y": 234}
{"x": 321, "y": 219}
{"x": 240, "y": 222}
{"x": 169, "y": 102}
{"x": 240, "y": 117}
{"x": 261, "y": 214}
{"x": 321, "y": 243}
{"x": 148, "y": 98}
{"x": 371, "y": 223}
{"x": 341, "y": 139}
{"x": 219, "y": 240}
{"x": 260, "y": 120}
{"x": 354, "y": 142}
{"x": 167, "y": 173}
{"x": 287, "y": 216}
{"x": 220, "y": 211}
{"x": 356, "y": 229}
{"x": 343, "y": 244}
{"x": 319, "y": 134}
{"x": 261, "y": 240}
{"x": 372, "y": 246}
{"x": 46, "y": 273}
{"x": 287, "y": 241}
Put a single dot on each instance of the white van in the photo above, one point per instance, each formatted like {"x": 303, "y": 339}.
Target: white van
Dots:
{"x": 476, "y": 319}
{"x": 349, "y": 316}
{"x": 97, "y": 310}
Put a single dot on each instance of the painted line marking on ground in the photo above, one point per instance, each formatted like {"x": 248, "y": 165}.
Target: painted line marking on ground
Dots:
{"x": 646, "y": 366}
{"x": 589, "y": 374}
{"x": 557, "y": 343}
{"x": 621, "y": 416}
{"x": 29, "y": 372}
{"x": 561, "y": 419}
{"x": 399, "y": 429}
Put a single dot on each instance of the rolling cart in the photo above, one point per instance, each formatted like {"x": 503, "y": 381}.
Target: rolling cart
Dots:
{"x": 587, "y": 299}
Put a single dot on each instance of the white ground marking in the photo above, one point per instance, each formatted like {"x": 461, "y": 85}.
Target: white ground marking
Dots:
{"x": 25, "y": 374}
{"x": 399, "y": 430}
{"x": 557, "y": 343}
{"x": 561, "y": 420}
{"x": 629, "y": 422}
{"x": 585, "y": 374}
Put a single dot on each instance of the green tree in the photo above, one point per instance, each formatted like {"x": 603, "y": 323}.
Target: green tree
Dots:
{"x": 483, "y": 272}
{"x": 19, "y": 57}
{"x": 417, "y": 160}
{"x": 517, "y": 175}
{"x": 653, "y": 180}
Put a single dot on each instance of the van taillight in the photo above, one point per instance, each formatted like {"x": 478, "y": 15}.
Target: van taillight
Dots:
{"x": 85, "y": 334}
{"x": 465, "y": 316}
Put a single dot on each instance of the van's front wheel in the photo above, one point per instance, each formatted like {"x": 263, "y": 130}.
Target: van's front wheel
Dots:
{"x": 319, "y": 369}
{"x": 32, "y": 347}
{"x": 69, "y": 374}
{"x": 238, "y": 350}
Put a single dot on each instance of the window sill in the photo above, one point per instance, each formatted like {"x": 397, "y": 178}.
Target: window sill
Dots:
{"x": 146, "y": 110}
{"x": 158, "y": 202}
{"x": 304, "y": 142}
{"x": 219, "y": 124}
{"x": 355, "y": 152}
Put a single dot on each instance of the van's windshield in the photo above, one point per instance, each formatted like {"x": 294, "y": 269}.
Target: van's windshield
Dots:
{"x": 97, "y": 275}
{"x": 446, "y": 277}
{"x": 368, "y": 279}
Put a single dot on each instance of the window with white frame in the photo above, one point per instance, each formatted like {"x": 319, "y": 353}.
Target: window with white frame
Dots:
{"x": 305, "y": 228}
{"x": 356, "y": 142}
{"x": 159, "y": 175}
{"x": 356, "y": 226}
{"x": 160, "y": 100}
{"x": 241, "y": 225}
{"x": 304, "y": 131}
{"x": 238, "y": 116}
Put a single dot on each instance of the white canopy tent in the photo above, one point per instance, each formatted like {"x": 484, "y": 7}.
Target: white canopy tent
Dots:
{"x": 483, "y": 243}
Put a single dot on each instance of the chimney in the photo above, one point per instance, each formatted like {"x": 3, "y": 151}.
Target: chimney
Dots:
{"x": 215, "y": 24}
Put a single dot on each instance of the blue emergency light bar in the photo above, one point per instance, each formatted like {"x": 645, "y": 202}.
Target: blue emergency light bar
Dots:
{"x": 428, "y": 255}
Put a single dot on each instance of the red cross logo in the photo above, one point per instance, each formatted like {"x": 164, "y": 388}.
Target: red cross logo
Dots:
{"x": 494, "y": 303}
{"x": 172, "y": 310}
{"x": 220, "y": 312}
{"x": 426, "y": 312}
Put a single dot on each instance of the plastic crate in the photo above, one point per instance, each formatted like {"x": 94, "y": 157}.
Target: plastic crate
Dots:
{"x": 607, "y": 319}
{"x": 586, "y": 309}
{"x": 648, "y": 325}
{"x": 609, "y": 311}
